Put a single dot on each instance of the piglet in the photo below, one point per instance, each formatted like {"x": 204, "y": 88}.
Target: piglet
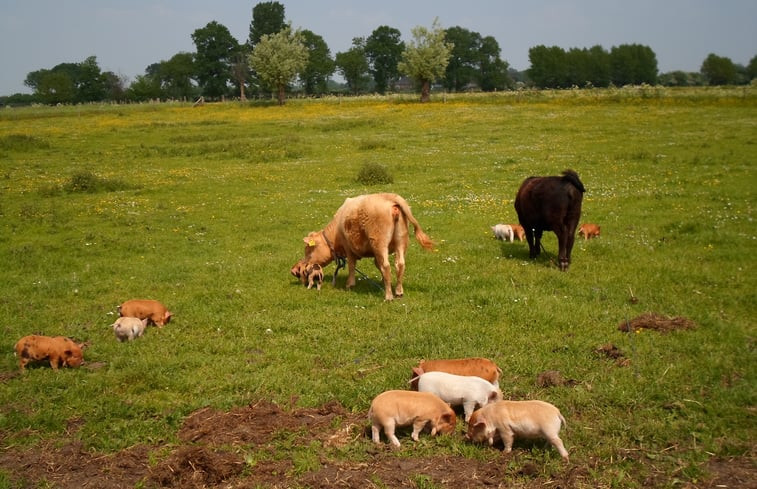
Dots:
{"x": 58, "y": 350}
{"x": 468, "y": 391}
{"x": 480, "y": 367}
{"x": 503, "y": 232}
{"x": 314, "y": 274}
{"x": 129, "y": 328}
{"x": 153, "y": 311}
{"x": 508, "y": 419}
{"x": 403, "y": 408}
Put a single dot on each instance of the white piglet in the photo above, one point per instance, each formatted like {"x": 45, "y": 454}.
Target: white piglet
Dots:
{"x": 457, "y": 390}
{"x": 129, "y": 328}
{"x": 524, "y": 419}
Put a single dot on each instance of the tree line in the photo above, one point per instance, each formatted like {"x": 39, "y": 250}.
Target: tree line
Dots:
{"x": 276, "y": 59}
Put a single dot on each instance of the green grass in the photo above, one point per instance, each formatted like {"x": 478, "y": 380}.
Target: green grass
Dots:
{"x": 205, "y": 208}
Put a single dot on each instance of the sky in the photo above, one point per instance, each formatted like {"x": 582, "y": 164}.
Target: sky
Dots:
{"x": 128, "y": 35}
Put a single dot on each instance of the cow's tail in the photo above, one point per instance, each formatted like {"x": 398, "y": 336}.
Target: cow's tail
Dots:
{"x": 422, "y": 237}
{"x": 571, "y": 177}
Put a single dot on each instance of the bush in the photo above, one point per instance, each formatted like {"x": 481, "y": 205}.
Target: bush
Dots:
{"x": 88, "y": 182}
{"x": 374, "y": 174}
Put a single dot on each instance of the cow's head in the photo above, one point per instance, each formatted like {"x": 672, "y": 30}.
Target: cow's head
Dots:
{"x": 317, "y": 250}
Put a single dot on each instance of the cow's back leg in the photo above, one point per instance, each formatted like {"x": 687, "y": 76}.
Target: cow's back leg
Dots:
{"x": 382, "y": 263}
{"x": 530, "y": 238}
{"x": 537, "y": 243}
{"x": 399, "y": 264}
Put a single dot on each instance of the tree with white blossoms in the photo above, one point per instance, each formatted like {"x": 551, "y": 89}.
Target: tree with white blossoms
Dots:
{"x": 278, "y": 58}
{"x": 426, "y": 57}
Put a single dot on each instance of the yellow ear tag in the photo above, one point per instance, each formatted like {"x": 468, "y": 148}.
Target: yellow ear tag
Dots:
{"x": 311, "y": 243}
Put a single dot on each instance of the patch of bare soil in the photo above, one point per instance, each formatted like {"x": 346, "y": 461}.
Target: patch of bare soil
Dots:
{"x": 553, "y": 378}
{"x": 213, "y": 444}
{"x": 614, "y": 353}
{"x": 656, "y": 322}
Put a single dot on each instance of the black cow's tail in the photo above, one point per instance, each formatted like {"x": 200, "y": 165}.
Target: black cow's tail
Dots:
{"x": 571, "y": 177}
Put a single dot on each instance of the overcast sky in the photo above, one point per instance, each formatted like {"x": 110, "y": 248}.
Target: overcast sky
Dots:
{"x": 126, "y": 36}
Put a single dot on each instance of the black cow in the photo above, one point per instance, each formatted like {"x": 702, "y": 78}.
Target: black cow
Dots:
{"x": 550, "y": 204}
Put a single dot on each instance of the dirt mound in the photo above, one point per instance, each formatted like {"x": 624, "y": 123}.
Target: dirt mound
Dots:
{"x": 656, "y": 322}
{"x": 196, "y": 467}
{"x": 213, "y": 447}
{"x": 553, "y": 378}
{"x": 614, "y": 353}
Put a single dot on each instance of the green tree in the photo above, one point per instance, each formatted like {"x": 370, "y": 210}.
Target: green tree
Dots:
{"x": 176, "y": 76}
{"x": 383, "y": 49}
{"x": 493, "y": 70}
{"x": 463, "y": 65}
{"x": 144, "y": 87}
{"x": 216, "y": 48}
{"x": 633, "y": 64}
{"x": 56, "y": 87}
{"x": 549, "y": 67}
{"x": 751, "y": 69}
{"x": 115, "y": 86}
{"x": 69, "y": 83}
{"x": 320, "y": 66}
{"x": 718, "y": 70}
{"x": 353, "y": 66}
{"x": 267, "y": 18}
{"x": 278, "y": 58}
{"x": 426, "y": 57}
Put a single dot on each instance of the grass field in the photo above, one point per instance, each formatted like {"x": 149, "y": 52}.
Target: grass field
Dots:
{"x": 205, "y": 208}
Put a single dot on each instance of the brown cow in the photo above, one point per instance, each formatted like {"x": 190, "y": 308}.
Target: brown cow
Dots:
{"x": 59, "y": 350}
{"x": 550, "y": 204}
{"x": 373, "y": 225}
{"x": 589, "y": 230}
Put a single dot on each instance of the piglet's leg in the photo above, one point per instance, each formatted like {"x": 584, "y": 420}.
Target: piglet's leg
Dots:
{"x": 375, "y": 434}
{"x": 508, "y": 437}
{"x": 468, "y": 408}
{"x": 418, "y": 426}
{"x": 389, "y": 431}
{"x": 557, "y": 443}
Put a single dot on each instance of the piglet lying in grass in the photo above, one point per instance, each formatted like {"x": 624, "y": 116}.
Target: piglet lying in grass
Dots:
{"x": 404, "y": 408}
{"x": 468, "y": 391}
{"x": 128, "y": 328}
{"x": 510, "y": 419}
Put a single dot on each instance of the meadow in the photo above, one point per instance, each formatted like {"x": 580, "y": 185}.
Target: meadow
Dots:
{"x": 205, "y": 208}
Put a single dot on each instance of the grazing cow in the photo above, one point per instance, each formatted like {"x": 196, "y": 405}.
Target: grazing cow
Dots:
{"x": 373, "y": 225}
{"x": 58, "y": 350}
{"x": 519, "y": 232}
{"x": 550, "y": 204}
{"x": 589, "y": 230}
{"x": 480, "y": 367}
{"x": 154, "y": 311}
